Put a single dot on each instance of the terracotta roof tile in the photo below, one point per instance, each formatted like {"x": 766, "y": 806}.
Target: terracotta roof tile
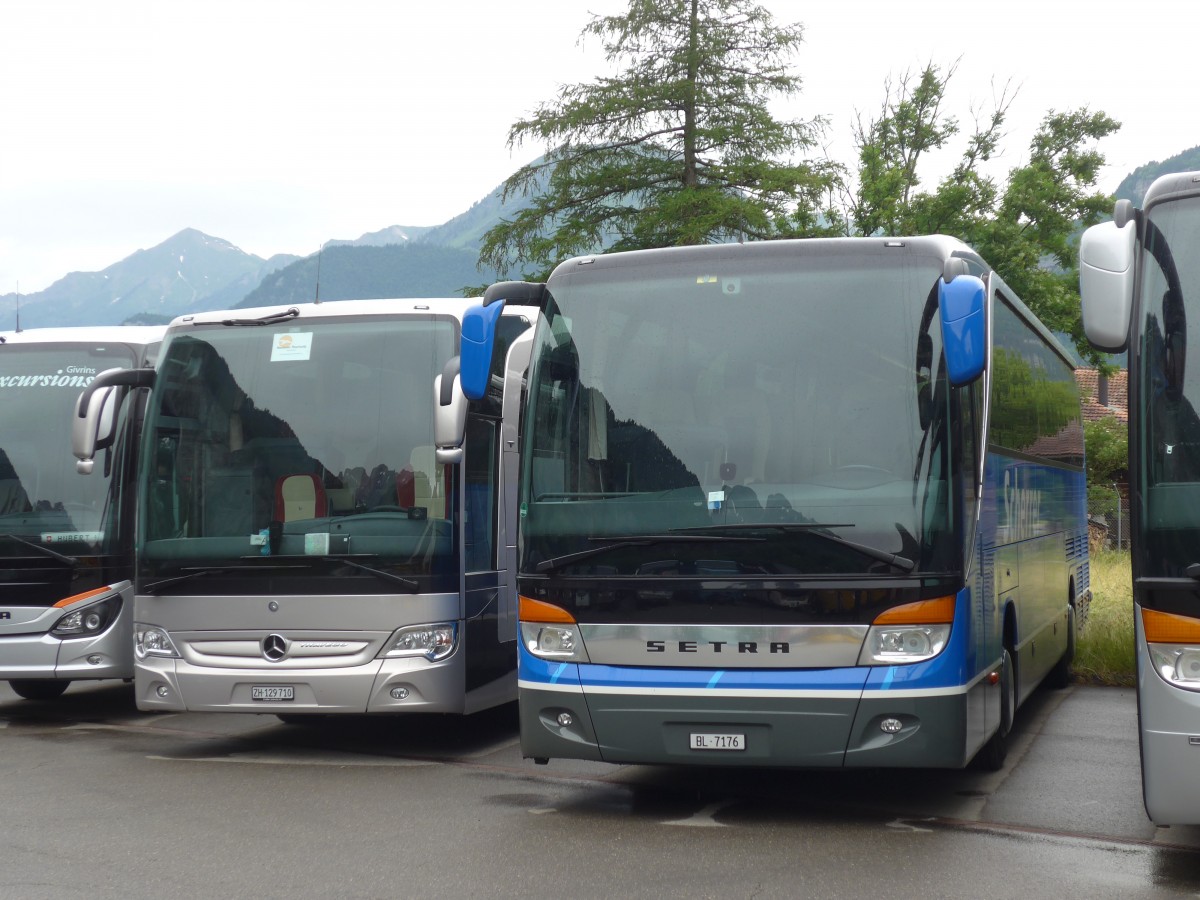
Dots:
{"x": 1118, "y": 395}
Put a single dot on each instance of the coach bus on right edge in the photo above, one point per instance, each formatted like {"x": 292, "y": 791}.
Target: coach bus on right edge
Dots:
{"x": 810, "y": 503}
{"x": 1140, "y": 281}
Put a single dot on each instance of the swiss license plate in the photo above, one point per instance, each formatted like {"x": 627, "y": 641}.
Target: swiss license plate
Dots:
{"x": 710, "y": 741}
{"x": 272, "y": 692}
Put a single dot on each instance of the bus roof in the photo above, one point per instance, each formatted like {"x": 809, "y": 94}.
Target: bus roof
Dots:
{"x": 939, "y": 246}
{"x": 455, "y": 306}
{"x": 140, "y": 335}
{"x": 1172, "y": 187}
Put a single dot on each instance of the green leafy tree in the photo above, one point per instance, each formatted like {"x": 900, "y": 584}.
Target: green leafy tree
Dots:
{"x": 1107, "y": 442}
{"x": 678, "y": 148}
{"x": 1025, "y": 226}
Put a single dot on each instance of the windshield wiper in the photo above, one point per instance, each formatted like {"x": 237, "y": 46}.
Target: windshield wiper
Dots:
{"x": 269, "y": 319}
{"x": 201, "y": 571}
{"x": 194, "y": 573}
{"x": 61, "y": 557}
{"x": 634, "y": 540}
{"x": 413, "y": 586}
{"x": 900, "y": 562}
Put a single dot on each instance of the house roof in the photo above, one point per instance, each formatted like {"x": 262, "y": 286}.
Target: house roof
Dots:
{"x": 1118, "y": 395}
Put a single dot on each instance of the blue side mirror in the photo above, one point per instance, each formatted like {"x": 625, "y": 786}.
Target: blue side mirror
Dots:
{"x": 962, "y": 306}
{"x": 475, "y": 350}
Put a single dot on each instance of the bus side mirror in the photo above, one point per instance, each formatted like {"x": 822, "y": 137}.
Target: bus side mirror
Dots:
{"x": 1106, "y": 270}
{"x": 961, "y": 303}
{"x": 449, "y": 414}
{"x": 475, "y": 348}
{"x": 94, "y": 422}
{"x": 92, "y": 428}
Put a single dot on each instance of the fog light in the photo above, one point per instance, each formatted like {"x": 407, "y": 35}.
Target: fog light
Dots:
{"x": 399, "y": 693}
{"x": 162, "y": 690}
{"x": 95, "y": 660}
{"x": 890, "y": 726}
{"x": 565, "y": 719}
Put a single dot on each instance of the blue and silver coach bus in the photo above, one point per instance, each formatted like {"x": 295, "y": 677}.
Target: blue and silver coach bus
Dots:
{"x": 798, "y": 503}
{"x": 1140, "y": 282}
{"x": 66, "y": 543}
{"x": 322, "y": 527}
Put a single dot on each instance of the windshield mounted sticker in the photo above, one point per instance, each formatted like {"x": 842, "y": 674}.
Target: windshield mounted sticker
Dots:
{"x": 715, "y": 499}
{"x": 72, "y": 537}
{"x": 291, "y": 346}
{"x": 316, "y": 544}
{"x": 70, "y": 377}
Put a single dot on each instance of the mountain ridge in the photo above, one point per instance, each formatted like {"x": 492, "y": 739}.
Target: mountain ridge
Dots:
{"x": 195, "y": 272}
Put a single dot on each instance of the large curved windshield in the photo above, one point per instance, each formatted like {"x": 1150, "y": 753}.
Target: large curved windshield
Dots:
{"x": 784, "y": 414}
{"x": 43, "y": 500}
{"x": 307, "y": 440}
{"x": 1170, "y": 388}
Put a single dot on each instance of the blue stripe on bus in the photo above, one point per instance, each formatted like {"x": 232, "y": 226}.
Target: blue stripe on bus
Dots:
{"x": 849, "y": 679}
{"x": 947, "y": 670}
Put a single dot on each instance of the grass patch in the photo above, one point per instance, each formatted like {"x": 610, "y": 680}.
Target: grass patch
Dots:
{"x": 1104, "y": 652}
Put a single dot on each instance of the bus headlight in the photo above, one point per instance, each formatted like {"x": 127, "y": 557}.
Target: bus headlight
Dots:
{"x": 150, "y": 640}
{"x": 1173, "y": 642}
{"x": 1178, "y": 664}
{"x": 909, "y": 633}
{"x": 89, "y": 621}
{"x": 891, "y": 645}
{"x": 433, "y": 642}
{"x": 554, "y": 641}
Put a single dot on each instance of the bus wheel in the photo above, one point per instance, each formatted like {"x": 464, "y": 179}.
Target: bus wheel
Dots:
{"x": 38, "y": 688}
{"x": 992, "y": 755}
{"x": 1060, "y": 675}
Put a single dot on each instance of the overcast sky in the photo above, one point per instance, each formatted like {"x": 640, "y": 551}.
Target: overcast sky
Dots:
{"x": 278, "y": 124}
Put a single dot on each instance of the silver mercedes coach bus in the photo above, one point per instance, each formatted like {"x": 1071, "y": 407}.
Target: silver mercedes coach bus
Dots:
{"x": 66, "y": 543}
{"x": 324, "y": 520}
{"x": 1140, "y": 281}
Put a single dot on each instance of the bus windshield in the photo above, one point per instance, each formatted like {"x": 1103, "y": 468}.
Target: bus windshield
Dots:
{"x": 308, "y": 440}
{"x": 773, "y": 416}
{"x": 1170, "y": 386}
{"x": 43, "y": 501}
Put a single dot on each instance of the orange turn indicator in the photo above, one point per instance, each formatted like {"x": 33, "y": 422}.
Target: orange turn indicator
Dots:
{"x": 923, "y": 612}
{"x": 79, "y": 598}
{"x": 1168, "y": 628}
{"x": 536, "y": 611}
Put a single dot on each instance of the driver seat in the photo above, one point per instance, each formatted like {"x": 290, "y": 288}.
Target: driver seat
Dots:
{"x": 300, "y": 496}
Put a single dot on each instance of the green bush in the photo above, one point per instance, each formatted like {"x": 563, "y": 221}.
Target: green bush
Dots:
{"x": 1105, "y": 651}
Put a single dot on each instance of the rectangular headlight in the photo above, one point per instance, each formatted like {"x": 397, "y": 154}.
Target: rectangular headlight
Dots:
{"x": 890, "y": 645}
{"x": 150, "y": 640}
{"x": 1178, "y": 664}
{"x": 554, "y": 641}
{"x": 434, "y": 642}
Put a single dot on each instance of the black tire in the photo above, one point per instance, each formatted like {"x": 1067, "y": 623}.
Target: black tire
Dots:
{"x": 1060, "y": 676}
{"x": 38, "y": 688}
{"x": 992, "y": 755}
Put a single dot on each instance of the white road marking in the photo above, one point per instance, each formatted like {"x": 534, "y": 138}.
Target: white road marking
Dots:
{"x": 906, "y": 825}
{"x": 704, "y": 818}
{"x": 301, "y": 758}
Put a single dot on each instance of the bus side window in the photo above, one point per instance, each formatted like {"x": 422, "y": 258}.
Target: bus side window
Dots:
{"x": 479, "y": 532}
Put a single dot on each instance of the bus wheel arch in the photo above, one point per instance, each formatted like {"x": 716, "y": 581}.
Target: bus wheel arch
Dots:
{"x": 992, "y": 754}
{"x": 1060, "y": 676}
{"x": 38, "y": 688}
{"x": 1009, "y": 655}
